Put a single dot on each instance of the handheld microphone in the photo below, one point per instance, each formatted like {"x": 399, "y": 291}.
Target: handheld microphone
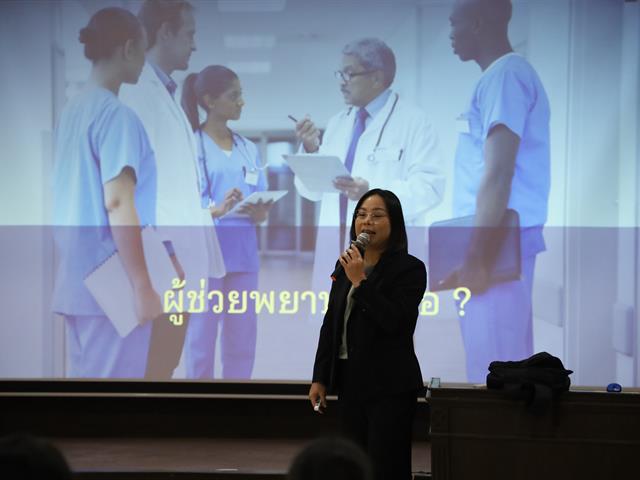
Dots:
{"x": 361, "y": 244}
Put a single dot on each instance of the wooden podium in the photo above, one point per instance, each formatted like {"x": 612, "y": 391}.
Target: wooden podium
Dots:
{"x": 480, "y": 434}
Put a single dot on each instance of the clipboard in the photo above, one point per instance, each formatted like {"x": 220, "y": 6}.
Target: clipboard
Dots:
{"x": 110, "y": 286}
{"x": 255, "y": 197}
{"x": 449, "y": 241}
{"x": 317, "y": 172}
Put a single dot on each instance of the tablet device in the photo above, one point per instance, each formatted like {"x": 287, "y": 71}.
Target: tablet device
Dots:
{"x": 255, "y": 197}
{"x": 111, "y": 288}
{"x": 449, "y": 241}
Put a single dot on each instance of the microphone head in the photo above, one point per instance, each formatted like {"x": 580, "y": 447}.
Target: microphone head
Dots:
{"x": 362, "y": 241}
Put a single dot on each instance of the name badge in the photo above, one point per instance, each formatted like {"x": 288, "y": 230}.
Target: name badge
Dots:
{"x": 251, "y": 177}
{"x": 462, "y": 124}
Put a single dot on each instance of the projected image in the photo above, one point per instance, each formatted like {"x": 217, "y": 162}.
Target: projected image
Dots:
{"x": 199, "y": 169}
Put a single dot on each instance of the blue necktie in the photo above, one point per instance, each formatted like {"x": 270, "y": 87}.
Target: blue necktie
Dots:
{"x": 358, "y": 128}
{"x": 172, "y": 87}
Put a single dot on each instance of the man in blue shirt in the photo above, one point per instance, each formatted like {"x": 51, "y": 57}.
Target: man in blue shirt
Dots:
{"x": 183, "y": 223}
{"x": 502, "y": 161}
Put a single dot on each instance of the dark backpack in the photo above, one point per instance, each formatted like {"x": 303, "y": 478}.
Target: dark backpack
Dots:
{"x": 538, "y": 379}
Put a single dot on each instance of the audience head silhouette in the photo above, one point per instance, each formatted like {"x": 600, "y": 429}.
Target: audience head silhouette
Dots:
{"x": 331, "y": 458}
{"x": 30, "y": 458}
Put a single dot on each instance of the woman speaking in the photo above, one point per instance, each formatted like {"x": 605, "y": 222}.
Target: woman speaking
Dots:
{"x": 365, "y": 351}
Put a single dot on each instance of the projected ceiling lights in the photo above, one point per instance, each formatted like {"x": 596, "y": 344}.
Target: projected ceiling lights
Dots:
{"x": 251, "y": 67}
{"x": 251, "y": 5}
{"x": 264, "y": 42}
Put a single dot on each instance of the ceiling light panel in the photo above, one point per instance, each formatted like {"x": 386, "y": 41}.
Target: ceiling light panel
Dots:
{"x": 264, "y": 42}
{"x": 251, "y": 67}
{"x": 245, "y": 6}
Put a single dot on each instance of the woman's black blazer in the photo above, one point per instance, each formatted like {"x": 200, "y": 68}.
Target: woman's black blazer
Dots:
{"x": 380, "y": 329}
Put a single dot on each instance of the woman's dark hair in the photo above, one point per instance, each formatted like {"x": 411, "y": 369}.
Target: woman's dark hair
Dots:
{"x": 107, "y": 30}
{"x": 331, "y": 458}
{"x": 154, "y": 13}
{"x": 398, "y": 237}
{"x": 213, "y": 80}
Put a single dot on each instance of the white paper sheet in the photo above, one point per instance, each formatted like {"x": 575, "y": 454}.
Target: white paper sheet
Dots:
{"x": 317, "y": 172}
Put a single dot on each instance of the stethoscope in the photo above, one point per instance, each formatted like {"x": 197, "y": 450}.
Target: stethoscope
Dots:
{"x": 244, "y": 153}
{"x": 371, "y": 158}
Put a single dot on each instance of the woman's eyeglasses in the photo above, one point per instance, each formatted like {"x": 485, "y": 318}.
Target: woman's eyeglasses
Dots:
{"x": 374, "y": 217}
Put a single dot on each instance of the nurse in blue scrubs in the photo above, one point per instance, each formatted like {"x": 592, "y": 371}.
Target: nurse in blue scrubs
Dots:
{"x": 230, "y": 170}
{"x": 104, "y": 189}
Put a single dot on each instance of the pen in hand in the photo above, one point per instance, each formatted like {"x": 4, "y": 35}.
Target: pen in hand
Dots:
{"x": 316, "y": 141}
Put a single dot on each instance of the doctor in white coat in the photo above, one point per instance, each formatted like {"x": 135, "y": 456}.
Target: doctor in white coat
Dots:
{"x": 184, "y": 224}
{"x": 384, "y": 142}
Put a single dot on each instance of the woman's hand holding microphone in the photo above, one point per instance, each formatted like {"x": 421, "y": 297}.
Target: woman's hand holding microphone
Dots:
{"x": 353, "y": 264}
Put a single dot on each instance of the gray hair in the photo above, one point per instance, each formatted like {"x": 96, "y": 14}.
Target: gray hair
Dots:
{"x": 373, "y": 54}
